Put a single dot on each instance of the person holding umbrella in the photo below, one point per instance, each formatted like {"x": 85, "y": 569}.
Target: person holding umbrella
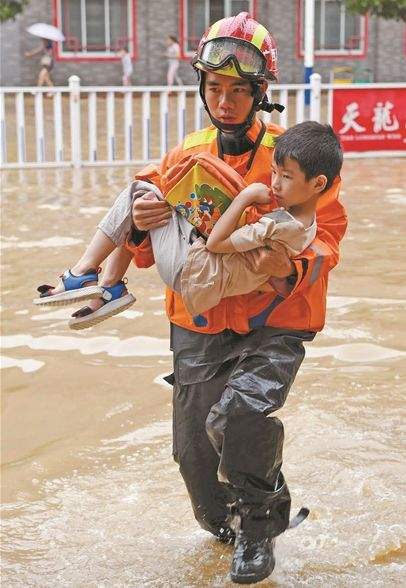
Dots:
{"x": 47, "y": 33}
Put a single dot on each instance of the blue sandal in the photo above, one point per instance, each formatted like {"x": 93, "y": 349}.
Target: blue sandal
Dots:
{"x": 75, "y": 289}
{"x": 115, "y": 298}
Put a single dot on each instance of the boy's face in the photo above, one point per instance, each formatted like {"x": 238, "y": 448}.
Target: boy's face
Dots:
{"x": 229, "y": 99}
{"x": 290, "y": 186}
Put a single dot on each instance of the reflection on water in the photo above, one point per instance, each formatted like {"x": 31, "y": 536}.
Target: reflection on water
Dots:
{"x": 114, "y": 346}
{"x": 26, "y": 365}
{"x": 51, "y": 242}
{"x": 92, "y": 496}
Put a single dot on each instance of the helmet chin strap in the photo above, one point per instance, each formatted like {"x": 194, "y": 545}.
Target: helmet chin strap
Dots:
{"x": 260, "y": 102}
{"x": 269, "y": 106}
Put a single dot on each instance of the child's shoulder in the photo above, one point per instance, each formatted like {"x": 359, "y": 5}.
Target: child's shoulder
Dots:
{"x": 280, "y": 215}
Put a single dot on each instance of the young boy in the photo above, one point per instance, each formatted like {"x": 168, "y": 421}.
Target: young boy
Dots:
{"x": 184, "y": 261}
{"x": 299, "y": 179}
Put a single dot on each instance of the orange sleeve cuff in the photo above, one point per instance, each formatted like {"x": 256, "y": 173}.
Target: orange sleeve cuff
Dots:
{"x": 142, "y": 253}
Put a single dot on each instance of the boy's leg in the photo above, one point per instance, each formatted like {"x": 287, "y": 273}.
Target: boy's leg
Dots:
{"x": 117, "y": 224}
{"x": 99, "y": 249}
{"x": 96, "y": 252}
{"x": 111, "y": 233}
{"x": 115, "y": 297}
{"x": 207, "y": 277}
{"x": 171, "y": 245}
{"x": 116, "y": 266}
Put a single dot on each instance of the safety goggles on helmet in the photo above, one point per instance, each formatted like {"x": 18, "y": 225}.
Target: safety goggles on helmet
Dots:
{"x": 216, "y": 54}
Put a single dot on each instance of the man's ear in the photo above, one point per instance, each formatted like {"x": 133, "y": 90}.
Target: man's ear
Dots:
{"x": 320, "y": 183}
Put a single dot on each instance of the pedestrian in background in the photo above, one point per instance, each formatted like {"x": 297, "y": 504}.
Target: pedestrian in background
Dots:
{"x": 173, "y": 55}
{"x": 46, "y": 62}
{"x": 127, "y": 65}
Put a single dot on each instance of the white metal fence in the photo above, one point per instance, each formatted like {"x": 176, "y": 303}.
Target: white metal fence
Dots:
{"x": 82, "y": 126}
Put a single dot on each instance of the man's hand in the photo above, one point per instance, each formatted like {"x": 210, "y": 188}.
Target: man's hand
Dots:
{"x": 274, "y": 262}
{"x": 149, "y": 212}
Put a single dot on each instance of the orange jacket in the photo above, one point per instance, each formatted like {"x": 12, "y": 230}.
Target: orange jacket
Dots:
{"x": 304, "y": 308}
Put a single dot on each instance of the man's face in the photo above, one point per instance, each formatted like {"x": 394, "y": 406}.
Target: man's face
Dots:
{"x": 229, "y": 99}
{"x": 289, "y": 184}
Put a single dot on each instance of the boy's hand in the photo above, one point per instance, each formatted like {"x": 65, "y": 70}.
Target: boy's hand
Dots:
{"x": 274, "y": 262}
{"x": 256, "y": 193}
{"x": 149, "y": 212}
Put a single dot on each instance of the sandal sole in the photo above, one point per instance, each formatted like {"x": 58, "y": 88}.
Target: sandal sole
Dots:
{"x": 96, "y": 317}
{"x": 66, "y": 298}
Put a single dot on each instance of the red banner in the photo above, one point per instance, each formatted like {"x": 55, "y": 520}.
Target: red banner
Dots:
{"x": 372, "y": 119}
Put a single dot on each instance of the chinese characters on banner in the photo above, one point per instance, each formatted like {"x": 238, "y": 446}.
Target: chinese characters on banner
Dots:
{"x": 370, "y": 119}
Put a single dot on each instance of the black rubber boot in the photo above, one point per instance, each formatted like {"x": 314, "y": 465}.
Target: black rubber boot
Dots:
{"x": 253, "y": 558}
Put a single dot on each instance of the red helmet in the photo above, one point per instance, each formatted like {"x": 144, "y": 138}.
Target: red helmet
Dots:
{"x": 238, "y": 46}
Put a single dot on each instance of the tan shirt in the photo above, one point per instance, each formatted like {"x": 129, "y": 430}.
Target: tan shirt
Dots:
{"x": 208, "y": 277}
{"x": 277, "y": 226}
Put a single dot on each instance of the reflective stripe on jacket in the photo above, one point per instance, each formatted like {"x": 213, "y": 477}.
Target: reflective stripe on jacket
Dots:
{"x": 304, "y": 308}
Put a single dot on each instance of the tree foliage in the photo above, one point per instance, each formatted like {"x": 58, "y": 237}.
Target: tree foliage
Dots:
{"x": 395, "y": 9}
{"x": 10, "y": 8}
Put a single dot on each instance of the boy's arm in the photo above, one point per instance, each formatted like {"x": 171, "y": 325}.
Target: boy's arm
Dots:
{"x": 219, "y": 240}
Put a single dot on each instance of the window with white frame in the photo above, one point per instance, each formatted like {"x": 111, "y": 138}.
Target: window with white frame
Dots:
{"x": 336, "y": 30}
{"x": 95, "y": 28}
{"x": 199, "y": 14}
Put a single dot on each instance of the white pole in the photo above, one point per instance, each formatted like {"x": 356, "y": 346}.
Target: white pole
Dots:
{"x": 315, "y": 82}
{"x": 266, "y": 117}
{"x": 39, "y": 127}
{"x": 198, "y": 112}
{"x": 128, "y": 125}
{"x": 146, "y": 125}
{"x": 181, "y": 116}
{"x": 330, "y": 107}
{"x": 283, "y": 116}
{"x": 92, "y": 130}
{"x": 164, "y": 122}
{"x": 75, "y": 129}
{"x": 20, "y": 122}
{"x": 299, "y": 106}
{"x": 58, "y": 126}
{"x": 3, "y": 137}
{"x": 110, "y": 127}
{"x": 309, "y": 44}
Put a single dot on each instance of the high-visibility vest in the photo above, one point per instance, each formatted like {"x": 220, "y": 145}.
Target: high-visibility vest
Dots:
{"x": 304, "y": 308}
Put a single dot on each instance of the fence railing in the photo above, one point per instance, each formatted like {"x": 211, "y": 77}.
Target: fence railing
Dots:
{"x": 81, "y": 126}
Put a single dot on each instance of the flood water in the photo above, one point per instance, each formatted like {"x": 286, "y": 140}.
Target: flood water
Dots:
{"x": 91, "y": 496}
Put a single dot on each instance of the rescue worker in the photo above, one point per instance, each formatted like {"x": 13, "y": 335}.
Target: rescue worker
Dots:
{"x": 234, "y": 365}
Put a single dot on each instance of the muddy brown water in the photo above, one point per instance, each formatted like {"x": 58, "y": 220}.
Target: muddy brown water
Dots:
{"x": 91, "y": 496}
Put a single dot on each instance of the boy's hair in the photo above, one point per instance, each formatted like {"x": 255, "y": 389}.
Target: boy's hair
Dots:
{"x": 315, "y": 147}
